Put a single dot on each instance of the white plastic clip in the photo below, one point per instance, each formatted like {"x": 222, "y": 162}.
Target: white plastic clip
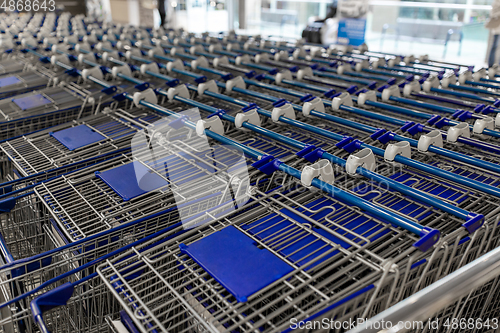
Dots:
{"x": 448, "y": 79}
{"x": 367, "y": 96}
{"x": 147, "y": 95}
{"x": 240, "y": 59}
{"x": 107, "y": 55}
{"x": 411, "y": 87}
{"x": 432, "y": 138}
{"x": 306, "y": 71}
{"x": 124, "y": 69}
{"x": 94, "y": 72}
{"x": 280, "y": 55}
{"x": 299, "y": 52}
{"x": 399, "y": 148}
{"x": 261, "y": 57}
{"x": 363, "y": 158}
{"x": 343, "y": 99}
{"x": 71, "y": 39}
{"x": 61, "y": 58}
{"x": 283, "y": 75}
{"x": 213, "y": 123}
{"x": 173, "y": 51}
{"x": 132, "y": 52}
{"x": 379, "y": 62}
{"x": 232, "y": 46}
{"x": 214, "y": 47}
{"x": 464, "y": 76}
{"x": 461, "y": 129}
{"x": 29, "y": 41}
{"x": 314, "y": 52}
{"x": 50, "y": 40}
{"x": 195, "y": 49}
{"x": 431, "y": 82}
{"x": 363, "y": 48}
{"x": 102, "y": 45}
{"x": 322, "y": 170}
{"x": 493, "y": 70}
{"x": 156, "y": 51}
{"x": 479, "y": 74}
{"x": 209, "y": 85}
{"x": 122, "y": 43}
{"x": 360, "y": 65}
{"x": 341, "y": 69}
{"x": 177, "y": 63}
{"x": 86, "y": 56}
{"x": 200, "y": 61}
{"x": 423, "y": 58}
{"x": 497, "y": 120}
{"x": 390, "y": 91}
{"x": 484, "y": 123}
{"x": 151, "y": 67}
{"x": 83, "y": 47}
{"x": 285, "y": 110}
{"x": 316, "y": 104}
{"x": 237, "y": 82}
{"x": 252, "y": 116}
{"x": 180, "y": 90}
{"x": 220, "y": 61}
{"x": 409, "y": 59}
{"x": 394, "y": 61}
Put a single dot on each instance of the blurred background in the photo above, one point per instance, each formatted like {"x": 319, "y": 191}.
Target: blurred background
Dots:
{"x": 451, "y": 30}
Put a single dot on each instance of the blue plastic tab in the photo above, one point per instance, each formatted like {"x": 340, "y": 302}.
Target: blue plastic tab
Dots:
{"x": 487, "y": 110}
{"x": 110, "y": 90}
{"x": 30, "y": 102}
{"x": 77, "y": 137}
{"x": 410, "y": 78}
{"x": 391, "y": 81}
{"x": 178, "y": 123}
{"x": 383, "y": 136}
{"x": 372, "y": 85}
{"x": 432, "y": 120}
{"x": 352, "y": 89}
{"x": 53, "y": 298}
{"x": 428, "y": 237}
{"x": 348, "y": 144}
{"x": 280, "y": 103}
{"x": 479, "y": 108}
{"x": 142, "y": 86}
{"x": 72, "y": 72}
{"x": 249, "y": 107}
{"x": 132, "y": 180}
{"x": 120, "y": 97}
{"x": 307, "y": 98}
{"x": 474, "y": 222}
{"x": 221, "y": 255}
{"x": 496, "y": 103}
{"x": 381, "y": 88}
{"x": 267, "y": 164}
{"x": 311, "y": 153}
{"x": 329, "y": 93}
{"x": 8, "y": 81}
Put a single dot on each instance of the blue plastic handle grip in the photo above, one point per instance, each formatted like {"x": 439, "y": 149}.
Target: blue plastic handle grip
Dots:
{"x": 456, "y": 211}
{"x": 463, "y": 94}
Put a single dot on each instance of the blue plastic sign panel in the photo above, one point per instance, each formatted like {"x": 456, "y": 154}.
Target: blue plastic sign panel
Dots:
{"x": 351, "y": 32}
{"x": 236, "y": 262}
{"x": 30, "y": 102}
{"x": 8, "y": 81}
{"x": 352, "y": 22}
{"x": 77, "y": 137}
{"x": 125, "y": 182}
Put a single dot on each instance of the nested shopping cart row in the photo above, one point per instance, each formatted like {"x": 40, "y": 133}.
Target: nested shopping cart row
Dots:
{"x": 275, "y": 241}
